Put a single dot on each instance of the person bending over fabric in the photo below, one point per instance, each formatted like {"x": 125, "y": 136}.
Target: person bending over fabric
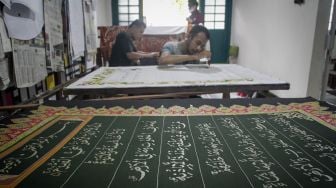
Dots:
{"x": 124, "y": 52}
{"x": 190, "y": 50}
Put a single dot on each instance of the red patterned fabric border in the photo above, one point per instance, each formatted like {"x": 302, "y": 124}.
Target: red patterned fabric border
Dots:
{"x": 148, "y": 43}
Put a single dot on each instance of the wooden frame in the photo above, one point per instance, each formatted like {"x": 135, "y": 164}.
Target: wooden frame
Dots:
{"x": 108, "y": 82}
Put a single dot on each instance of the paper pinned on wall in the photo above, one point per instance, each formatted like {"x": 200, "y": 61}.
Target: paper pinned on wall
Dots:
{"x": 54, "y": 31}
{"x": 4, "y": 74}
{"x": 6, "y": 43}
{"x": 90, "y": 26}
{"x": 24, "y": 20}
{"x": 29, "y": 59}
{"x": 76, "y": 28}
{"x": 2, "y": 54}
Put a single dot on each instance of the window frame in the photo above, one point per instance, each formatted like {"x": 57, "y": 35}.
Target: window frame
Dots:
{"x": 214, "y": 13}
{"x": 116, "y": 15}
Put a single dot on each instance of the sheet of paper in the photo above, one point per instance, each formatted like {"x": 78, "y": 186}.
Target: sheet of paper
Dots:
{"x": 54, "y": 31}
{"x": 6, "y": 43}
{"x": 24, "y": 19}
{"x": 2, "y": 54}
{"x": 4, "y": 74}
{"x": 29, "y": 61}
{"x": 76, "y": 28}
{"x": 90, "y": 25}
{"x": 90, "y": 61}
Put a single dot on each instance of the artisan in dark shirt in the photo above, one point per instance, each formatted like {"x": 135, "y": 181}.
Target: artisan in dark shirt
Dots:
{"x": 124, "y": 52}
{"x": 123, "y": 45}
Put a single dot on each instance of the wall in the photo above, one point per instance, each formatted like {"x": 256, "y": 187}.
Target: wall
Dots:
{"x": 104, "y": 13}
{"x": 318, "y": 56}
{"x": 276, "y": 37}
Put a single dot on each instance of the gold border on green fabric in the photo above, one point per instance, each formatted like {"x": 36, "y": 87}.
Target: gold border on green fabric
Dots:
{"x": 45, "y": 114}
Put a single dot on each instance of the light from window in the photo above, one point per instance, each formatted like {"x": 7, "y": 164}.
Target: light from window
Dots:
{"x": 331, "y": 13}
{"x": 128, "y": 11}
{"x": 165, "y": 12}
{"x": 214, "y": 12}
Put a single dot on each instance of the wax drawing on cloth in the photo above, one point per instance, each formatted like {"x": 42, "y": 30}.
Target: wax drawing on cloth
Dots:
{"x": 177, "y": 75}
{"x": 239, "y": 146}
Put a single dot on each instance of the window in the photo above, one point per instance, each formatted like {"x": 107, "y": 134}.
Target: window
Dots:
{"x": 214, "y": 14}
{"x": 165, "y": 12}
{"x": 168, "y": 12}
{"x": 129, "y": 10}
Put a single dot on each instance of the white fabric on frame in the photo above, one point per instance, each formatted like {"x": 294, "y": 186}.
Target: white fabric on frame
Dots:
{"x": 172, "y": 75}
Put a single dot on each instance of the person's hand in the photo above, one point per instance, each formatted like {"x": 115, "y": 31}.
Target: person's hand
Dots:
{"x": 204, "y": 54}
{"x": 154, "y": 54}
{"x": 136, "y": 62}
{"x": 203, "y": 57}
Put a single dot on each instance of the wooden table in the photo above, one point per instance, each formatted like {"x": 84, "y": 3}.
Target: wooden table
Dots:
{"x": 177, "y": 79}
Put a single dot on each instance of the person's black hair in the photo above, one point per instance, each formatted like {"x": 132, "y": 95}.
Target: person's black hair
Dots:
{"x": 138, "y": 23}
{"x": 192, "y": 2}
{"x": 198, "y": 29}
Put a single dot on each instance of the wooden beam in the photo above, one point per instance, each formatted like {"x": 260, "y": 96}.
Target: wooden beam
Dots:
{"x": 154, "y": 96}
{"x": 15, "y": 107}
